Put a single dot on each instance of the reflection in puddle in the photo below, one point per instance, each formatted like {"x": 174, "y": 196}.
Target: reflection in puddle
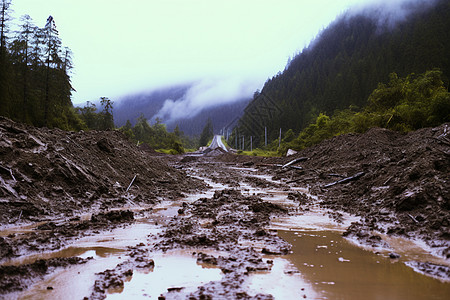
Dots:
{"x": 339, "y": 270}
{"x": 323, "y": 264}
{"x": 94, "y": 252}
{"x": 175, "y": 270}
{"x": 104, "y": 244}
{"x": 74, "y": 282}
{"x": 282, "y": 282}
{"x": 18, "y": 229}
{"x": 315, "y": 218}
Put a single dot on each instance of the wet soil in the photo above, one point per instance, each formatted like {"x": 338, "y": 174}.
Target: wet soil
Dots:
{"x": 228, "y": 223}
{"x": 16, "y": 278}
{"x": 401, "y": 185}
{"x": 50, "y": 172}
{"x": 61, "y": 186}
{"x": 58, "y": 187}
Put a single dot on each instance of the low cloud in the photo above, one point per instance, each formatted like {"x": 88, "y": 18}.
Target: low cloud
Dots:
{"x": 205, "y": 94}
{"x": 390, "y": 12}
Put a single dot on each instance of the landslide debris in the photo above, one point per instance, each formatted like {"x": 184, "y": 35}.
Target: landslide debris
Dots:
{"x": 221, "y": 221}
{"x": 235, "y": 224}
{"x": 230, "y": 224}
{"x": 46, "y": 173}
{"x": 399, "y": 183}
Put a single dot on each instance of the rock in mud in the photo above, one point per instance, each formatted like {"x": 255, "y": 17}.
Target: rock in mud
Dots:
{"x": 394, "y": 255}
{"x": 116, "y": 216}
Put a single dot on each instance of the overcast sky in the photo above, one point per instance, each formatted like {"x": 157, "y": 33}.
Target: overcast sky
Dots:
{"x": 125, "y": 47}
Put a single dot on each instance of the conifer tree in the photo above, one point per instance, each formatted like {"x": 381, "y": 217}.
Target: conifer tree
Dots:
{"x": 53, "y": 45}
{"x": 4, "y": 18}
{"x": 24, "y": 38}
{"x": 207, "y": 133}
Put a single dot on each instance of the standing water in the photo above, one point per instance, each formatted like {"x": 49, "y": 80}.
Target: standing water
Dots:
{"x": 337, "y": 269}
{"x": 322, "y": 265}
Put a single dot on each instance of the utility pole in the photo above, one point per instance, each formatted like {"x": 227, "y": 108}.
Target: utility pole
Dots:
{"x": 279, "y": 140}
{"x": 243, "y": 142}
{"x": 265, "y": 136}
{"x": 251, "y": 143}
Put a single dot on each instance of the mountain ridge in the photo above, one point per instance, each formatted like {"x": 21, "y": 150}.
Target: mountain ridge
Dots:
{"x": 348, "y": 59}
{"x": 149, "y": 104}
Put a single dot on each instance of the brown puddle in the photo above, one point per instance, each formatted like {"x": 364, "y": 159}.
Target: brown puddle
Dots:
{"x": 74, "y": 282}
{"x": 323, "y": 264}
{"x": 283, "y": 281}
{"x": 337, "y": 269}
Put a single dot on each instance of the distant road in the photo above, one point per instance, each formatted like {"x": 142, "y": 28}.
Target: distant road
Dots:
{"x": 217, "y": 143}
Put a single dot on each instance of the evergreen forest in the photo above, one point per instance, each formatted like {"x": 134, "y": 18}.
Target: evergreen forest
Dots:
{"x": 365, "y": 69}
{"x": 36, "y": 89}
{"x": 350, "y": 65}
{"x": 35, "y": 67}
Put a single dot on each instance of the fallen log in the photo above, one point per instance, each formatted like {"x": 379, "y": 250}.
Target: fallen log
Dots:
{"x": 300, "y": 159}
{"x": 267, "y": 165}
{"x": 345, "y": 180}
{"x": 414, "y": 219}
{"x": 279, "y": 166}
{"x": 443, "y": 140}
{"x": 294, "y": 180}
{"x": 336, "y": 175}
{"x": 295, "y": 167}
{"x": 12, "y": 175}
{"x": 131, "y": 183}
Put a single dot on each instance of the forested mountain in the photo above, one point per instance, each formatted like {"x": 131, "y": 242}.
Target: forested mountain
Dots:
{"x": 132, "y": 106}
{"x": 149, "y": 104}
{"x": 224, "y": 115}
{"x": 345, "y": 63}
{"x": 35, "y": 85}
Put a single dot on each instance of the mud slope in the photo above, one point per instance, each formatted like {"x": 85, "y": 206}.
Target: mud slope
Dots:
{"x": 51, "y": 173}
{"x": 402, "y": 185}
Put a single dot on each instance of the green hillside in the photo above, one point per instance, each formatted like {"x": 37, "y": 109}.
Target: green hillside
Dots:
{"x": 344, "y": 65}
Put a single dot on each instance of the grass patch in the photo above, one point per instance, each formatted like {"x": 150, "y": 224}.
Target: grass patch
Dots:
{"x": 225, "y": 142}
{"x": 168, "y": 151}
{"x": 259, "y": 152}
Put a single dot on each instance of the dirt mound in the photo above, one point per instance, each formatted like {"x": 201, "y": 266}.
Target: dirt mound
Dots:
{"x": 398, "y": 182}
{"x": 50, "y": 172}
{"x": 225, "y": 218}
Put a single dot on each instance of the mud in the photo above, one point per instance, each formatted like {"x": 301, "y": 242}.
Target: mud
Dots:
{"x": 403, "y": 188}
{"x": 229, "y": 223}
{"x": 58, "y": 187}
{"x": 49, "y": 172}
{"x": 50, "y": 236}
{"x": 17, "y": 278}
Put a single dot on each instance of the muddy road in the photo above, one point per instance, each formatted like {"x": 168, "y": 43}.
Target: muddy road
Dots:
{"x": 88, "y": 215}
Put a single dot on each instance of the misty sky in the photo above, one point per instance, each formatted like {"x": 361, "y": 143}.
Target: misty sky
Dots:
{"x": 228, "y": 47}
